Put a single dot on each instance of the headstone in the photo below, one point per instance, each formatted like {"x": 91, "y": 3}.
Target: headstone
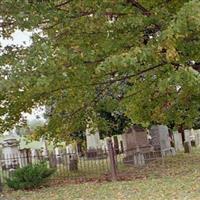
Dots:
{"x": 93, "y": 139}
{"x": 197, "y": 140}
{"x": 161, "y": 140}
{"x": 194, "y": 142}
{"x": 73, "y": 162}
{"x": 91, "y": 153}
{"x": 178, "y": 141}
{"x": 187, "y": 147}
{"x": 187, "y": 134}
{"x": 135, "y": 138}
{"x": 94, "y": 147}
{"x": 96, "y": 153}
{"x": 10, "y": 152}
{"x": 103, "y": 144}
{"x": 197, "y": 136}
{"x": 69, "y": 149}
{"x": 135, "y": 145}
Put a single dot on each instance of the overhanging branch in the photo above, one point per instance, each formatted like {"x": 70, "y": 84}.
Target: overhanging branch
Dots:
{"x": 141, "y": 8}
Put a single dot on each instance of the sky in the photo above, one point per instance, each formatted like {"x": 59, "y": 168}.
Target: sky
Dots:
{"x": 24, "y": 38}
{"x": 18, "y": 38}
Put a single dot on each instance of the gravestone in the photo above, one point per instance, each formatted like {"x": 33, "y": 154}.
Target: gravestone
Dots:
{"x": 187, "y": 134}
{"x": 11, "y": 153}
{"x": 73, "y": 164}
{"x": 193, "y": 138}
{"x": 160, "y": 139}
{"x": 135, "y": 139}
{"x": 103, "y": 144}
{"x": 94, "y": 145}
{"x": 135, "y": 145}
{"x": 187, "y": 147}
{"x": 178, "y": 141}
{"x": 92, "y": 139}
{"x": 69, "y": 149}
{"x": 197, "y": 136}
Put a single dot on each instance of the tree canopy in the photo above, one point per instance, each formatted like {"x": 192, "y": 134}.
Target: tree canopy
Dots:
{"x": 140, "y": 57}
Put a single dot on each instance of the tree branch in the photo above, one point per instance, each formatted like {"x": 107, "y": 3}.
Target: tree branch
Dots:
{"x": 130, "y": 76}
{"x": 63, "y": 3}
{"x": 142, "y": 9}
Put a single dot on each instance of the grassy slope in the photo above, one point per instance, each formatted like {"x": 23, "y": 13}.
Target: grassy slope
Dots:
{"x": 179, "y": 180}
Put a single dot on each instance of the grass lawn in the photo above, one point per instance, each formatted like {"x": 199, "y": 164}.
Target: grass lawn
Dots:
{"x": 178, "y": 178}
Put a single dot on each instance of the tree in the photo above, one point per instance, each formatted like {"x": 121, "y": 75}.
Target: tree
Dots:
{"x": 145, "y": 53}
{"x": 115, "y": 123}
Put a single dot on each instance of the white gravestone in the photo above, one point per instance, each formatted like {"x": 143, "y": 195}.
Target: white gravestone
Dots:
{"x": 69, "y": 149}
{"x": 93, "y": 139}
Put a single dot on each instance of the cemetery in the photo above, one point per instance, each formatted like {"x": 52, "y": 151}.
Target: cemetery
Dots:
{"x": 169, "y": 177}
{"x": 99, "y": 99}
{"x": 102, "y": 158}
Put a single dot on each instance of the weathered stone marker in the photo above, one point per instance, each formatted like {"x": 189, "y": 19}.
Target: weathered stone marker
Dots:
{"x": 136, "y": 144}
{"x": 10, "y": 151}
{"x": 187, "y": 147}
{"x": 178, "y": 141}
{"x": 135, "y": 138}
{"x": 73, "y": 162}
{"x": 160, "y": 139}
{"x": 93, "y": 143}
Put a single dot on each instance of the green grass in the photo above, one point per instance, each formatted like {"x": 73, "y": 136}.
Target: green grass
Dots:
{"x": 177, "y": 178}
{"x": 164, "y": 188}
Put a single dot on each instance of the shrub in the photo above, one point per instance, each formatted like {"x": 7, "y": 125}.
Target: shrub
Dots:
{"x": 30, "y": 176}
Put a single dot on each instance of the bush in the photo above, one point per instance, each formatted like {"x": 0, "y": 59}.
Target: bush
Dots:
{"x": 30, "y": 176}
